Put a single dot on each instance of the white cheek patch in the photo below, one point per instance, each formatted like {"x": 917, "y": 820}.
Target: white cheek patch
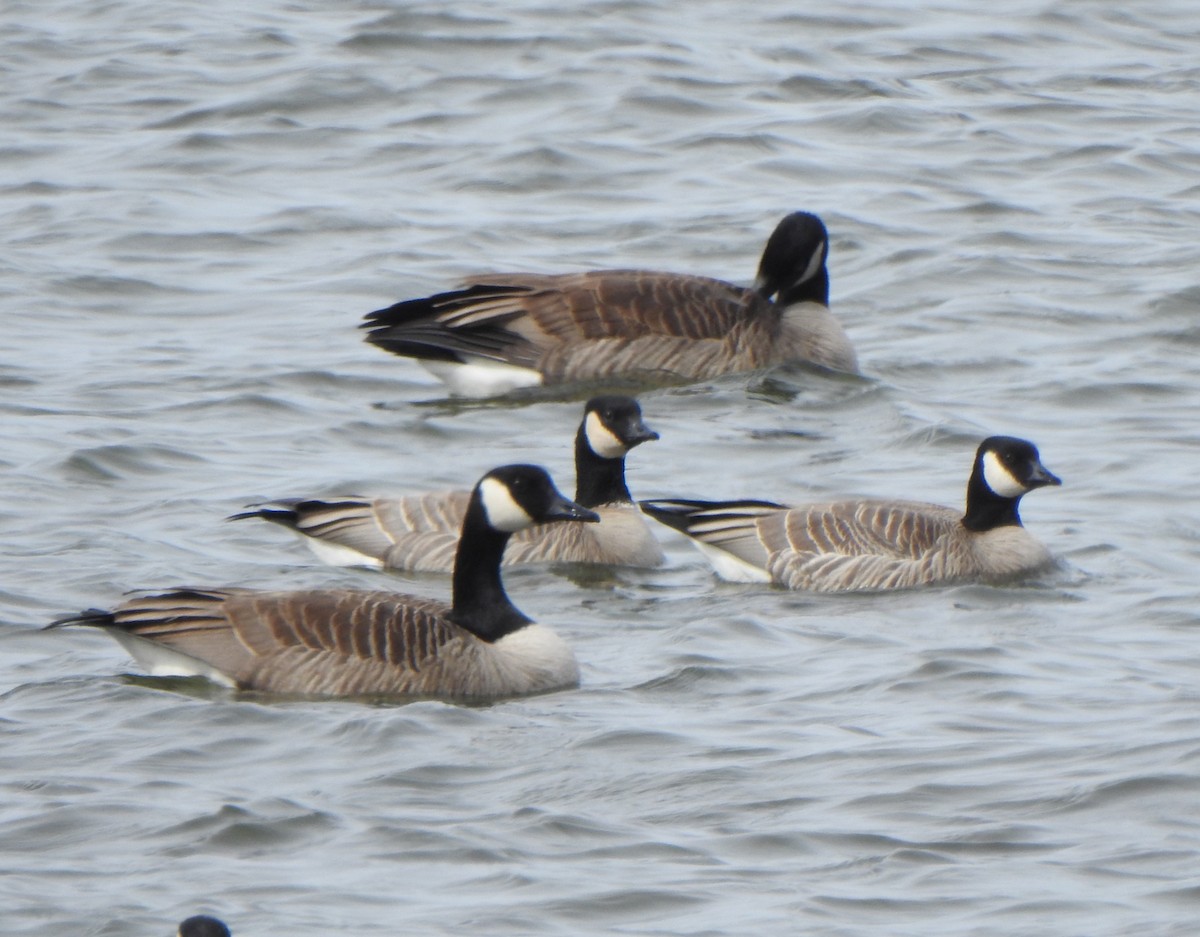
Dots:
{"x": 997, "y": 477}
{"x": 503, "y": 512}
{"x": 814, "y": 264}
{"x": 602, "y": 440}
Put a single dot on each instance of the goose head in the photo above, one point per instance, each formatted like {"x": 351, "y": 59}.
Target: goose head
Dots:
{"x": 202, "y": 926}
{"x": 793, "y": 262}
{"x": 613, "y": 425}
{"x": 1005, "y": 470}
{"x": 514, "y": 497}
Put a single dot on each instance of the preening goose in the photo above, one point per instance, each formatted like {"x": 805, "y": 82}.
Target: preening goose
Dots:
{"x": 876, "y": 545}
{"x": 420, "y": 532}
{"x": 504, "y": 331}
{"x": 353, "y": 643}
{"x": 202, "y": 926}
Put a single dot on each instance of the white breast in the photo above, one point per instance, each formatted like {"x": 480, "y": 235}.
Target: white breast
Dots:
{"x": 534, "y": 659}
{"x": 1008, "y": 551}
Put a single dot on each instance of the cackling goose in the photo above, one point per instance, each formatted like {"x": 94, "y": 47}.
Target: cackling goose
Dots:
{"x": 353, "y": 643}
{"x": 876, "y": 545}
{"x": 419, "y": 532}
{"x": 504, "y": 331}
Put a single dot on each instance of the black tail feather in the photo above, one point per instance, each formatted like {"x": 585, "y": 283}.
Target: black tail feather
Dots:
{"x": 284, "y": 513}
{"x": 409, "y": 311}
{"x": 414, "y": 328}
{"x": 91, "y": 617}
{"x": 678, "y": 513}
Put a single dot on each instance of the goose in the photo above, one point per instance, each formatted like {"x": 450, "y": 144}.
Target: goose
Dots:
{"x": 876, "y": 545}
{"x": 343, "y": 643}
{"x": 201, "y": 925}
{"x": 501, "y": 332}
{"x": 419, "y": 533}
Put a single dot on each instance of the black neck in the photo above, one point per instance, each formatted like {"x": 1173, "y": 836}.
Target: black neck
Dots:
{"x": 597, "y": 480}
{"x": 813, "y": 290}
{"x": 987, "y": 510}
{"x": 480, "y": 603}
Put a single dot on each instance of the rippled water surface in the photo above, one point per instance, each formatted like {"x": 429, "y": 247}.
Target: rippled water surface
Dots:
{"x": 198, "y": 202}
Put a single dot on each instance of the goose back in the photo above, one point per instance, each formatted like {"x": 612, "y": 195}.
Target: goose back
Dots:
{"x": 587, "y": 326}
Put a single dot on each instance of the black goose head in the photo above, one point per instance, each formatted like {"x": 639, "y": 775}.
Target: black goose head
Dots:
{"x": 793, "y": 262}
{"x": 1005, "y": 470}
{"x": 203, "y": 926}
{"x": 514, "y": 497}
{"x": 612, "y": 425}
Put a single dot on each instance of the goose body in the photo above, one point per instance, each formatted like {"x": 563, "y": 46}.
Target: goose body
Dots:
{"x": 876, "y": 545}
{"x": 505, "y": 331}
{"x": 420, "y": 533}
{"x": 354, "y": 643}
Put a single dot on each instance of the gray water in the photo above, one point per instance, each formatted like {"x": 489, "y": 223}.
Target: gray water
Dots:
{"x": 198, "y": 203}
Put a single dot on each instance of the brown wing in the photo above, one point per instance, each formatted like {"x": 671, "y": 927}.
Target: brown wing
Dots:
{"x": 903, "y": 529}
{"x": 858, "y": 545}
{"x": 352, "y": 523}
{"x": 335, "y": 642}
{"x": 418, "y": 533}
{"x": 843, "y": 546}
{"x": 423, "y": 529}
{"x": 517, "y": 318}
{"x": 624, "y": 304}
{"x": 426, "y": 530}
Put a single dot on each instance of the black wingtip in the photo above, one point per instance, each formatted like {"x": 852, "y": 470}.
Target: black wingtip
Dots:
{"x": 417, "y": 328}
{"x": 675, "y": 513}
{"x": 89, "y": 617}
{"x": 385, "y": 339}
{"x": 282, "y": 515}
{"x": 678, "y": 513}
{"x": 406, "y": 310}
